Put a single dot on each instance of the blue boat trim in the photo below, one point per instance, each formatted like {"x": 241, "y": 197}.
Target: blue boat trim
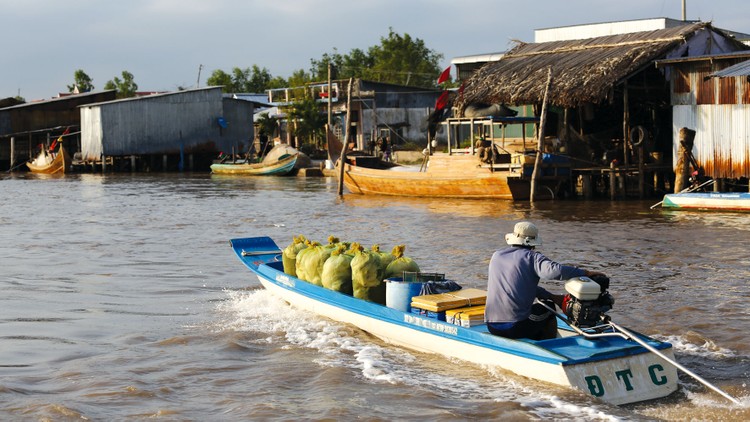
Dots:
{"x": 261, "y": 257}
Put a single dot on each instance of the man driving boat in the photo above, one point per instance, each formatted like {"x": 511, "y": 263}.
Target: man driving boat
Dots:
{"x": 513, "y": 284}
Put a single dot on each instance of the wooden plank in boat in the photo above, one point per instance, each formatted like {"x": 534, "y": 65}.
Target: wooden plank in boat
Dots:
{"x": 444, "y": 301}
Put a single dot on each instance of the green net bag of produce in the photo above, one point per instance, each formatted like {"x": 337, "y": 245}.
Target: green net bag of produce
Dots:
{"x": 333, "y": 241}
{"x": 289, "y": 255}
{"x": 400, "y": 263}
{"x": 366, "y": 281}
{"x": 337, "y": 271}
{"x": 385, "y": 259}
{"x": 313, "y": 263}
{"x": 300, "y": 266}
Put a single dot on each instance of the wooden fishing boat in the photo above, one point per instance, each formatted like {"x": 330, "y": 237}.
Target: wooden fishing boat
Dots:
{"x": 611, "y": 366}
{"x": 716, "y": 201}
{"x": 283, "y": 166}
{"x": 46, "y": 163}
{"x": 449, "y": 176}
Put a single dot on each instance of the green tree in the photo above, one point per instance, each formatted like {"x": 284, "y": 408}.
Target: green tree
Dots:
{"x": 406, "y": 61}
{"x": 82, "y": 81}
{"x": 309, "y": 122}
{"x": 126, "y": 87}
{"x": 277, "y": 82}
{"x": 220, "y": 78}
{"x": 250, "y": 79}
{"x": 399, "y": 59}
{"x": 240, "y": 79}
{"x": 258, "y": 80}
{"x": 299, "y": 78}
{"x": 267, "y": 125}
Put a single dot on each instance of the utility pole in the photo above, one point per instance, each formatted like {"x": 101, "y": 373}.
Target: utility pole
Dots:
{"x": 684, "y": 10}
{"x": 198, "y": 84}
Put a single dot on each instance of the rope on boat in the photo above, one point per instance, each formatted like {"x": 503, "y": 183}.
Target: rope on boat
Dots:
{"x": 626, "y": 334}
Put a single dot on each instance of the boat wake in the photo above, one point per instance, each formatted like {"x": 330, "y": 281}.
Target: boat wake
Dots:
{"x": 271, "y": 320}
{"x": 716, "y": 363}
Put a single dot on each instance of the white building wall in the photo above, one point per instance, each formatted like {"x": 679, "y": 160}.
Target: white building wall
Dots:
{"x": 91, "y": 133}
{"x": 580, "y": 32}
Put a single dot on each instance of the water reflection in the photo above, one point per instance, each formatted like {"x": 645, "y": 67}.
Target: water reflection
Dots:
{"x": 458, "y": 207}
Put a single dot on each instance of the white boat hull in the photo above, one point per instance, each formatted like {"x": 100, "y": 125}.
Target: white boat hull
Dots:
{"x": 614, "y": 381}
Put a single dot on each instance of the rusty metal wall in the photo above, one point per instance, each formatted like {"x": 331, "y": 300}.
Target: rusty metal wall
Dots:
{"x": 718, "y": 109}
{"x": 722, "y": 139}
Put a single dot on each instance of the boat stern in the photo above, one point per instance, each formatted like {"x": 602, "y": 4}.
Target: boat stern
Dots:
{"x": 635, "y": 378}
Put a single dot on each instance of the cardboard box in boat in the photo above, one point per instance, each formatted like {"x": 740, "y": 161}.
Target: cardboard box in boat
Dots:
{"x": 465, "y": 317}
{"x": 452, "y": 300}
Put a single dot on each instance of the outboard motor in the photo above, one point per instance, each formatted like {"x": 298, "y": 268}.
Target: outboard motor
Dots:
{"x": 587, "y": 301}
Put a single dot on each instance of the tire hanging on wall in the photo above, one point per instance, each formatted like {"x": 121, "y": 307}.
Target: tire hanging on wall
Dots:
{"x": 637, "y": 135}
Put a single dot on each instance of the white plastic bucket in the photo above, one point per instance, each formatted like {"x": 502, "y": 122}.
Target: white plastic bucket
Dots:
{"x": 398, "y": 293}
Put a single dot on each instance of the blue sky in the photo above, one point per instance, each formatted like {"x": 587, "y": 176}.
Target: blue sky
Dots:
{"x": 163, "y": 42}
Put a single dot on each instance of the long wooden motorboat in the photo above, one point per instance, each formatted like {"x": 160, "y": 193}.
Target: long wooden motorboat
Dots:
{"x": 283, "y": 166}
{"x": 59, "y": 164}
{"x": 611, "y": 367}
{"x": 716, "y": 201}
{"x": 450, "y": 176}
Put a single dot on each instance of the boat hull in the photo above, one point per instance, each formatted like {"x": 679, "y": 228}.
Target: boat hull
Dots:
{"x": 479, "y": 184}
{"x": 59, "y": 165}
{"x": 721, "y": 201}
{"x": 612, "y": 369}
{"x": 279, "y": 168}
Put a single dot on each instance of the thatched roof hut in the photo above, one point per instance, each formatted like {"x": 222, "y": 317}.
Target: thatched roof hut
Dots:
{"x": 587, "y": 70}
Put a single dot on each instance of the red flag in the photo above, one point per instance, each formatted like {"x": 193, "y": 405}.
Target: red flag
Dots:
{"x": 59, "y": 139}
{"x": 445, "y": 76}
{"x": 442, "y": 101}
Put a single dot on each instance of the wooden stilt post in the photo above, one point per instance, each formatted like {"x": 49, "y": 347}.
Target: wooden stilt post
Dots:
{"x": 587, "y": 186}
{"x": 641, "y": 175}
{"x": 342, "y": 159}
{"x": 540, "y": 144}
{"x": 12, "y": 152}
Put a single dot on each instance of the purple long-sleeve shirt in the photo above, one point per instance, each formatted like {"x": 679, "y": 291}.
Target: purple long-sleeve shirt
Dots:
{"x": 513, "y": 282}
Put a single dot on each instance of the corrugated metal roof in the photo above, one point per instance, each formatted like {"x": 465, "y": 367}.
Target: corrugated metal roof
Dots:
{"x": 73, "y": 97}
{"x": 740, "y": 69}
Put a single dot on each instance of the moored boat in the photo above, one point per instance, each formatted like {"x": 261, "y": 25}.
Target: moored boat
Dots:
{"x": 446, "y": 176}
{"x": 613, "y": 367}
{"x": 283, "y": 166}
{"x": 716, "y": 201}
{"x": 51, "y": 163}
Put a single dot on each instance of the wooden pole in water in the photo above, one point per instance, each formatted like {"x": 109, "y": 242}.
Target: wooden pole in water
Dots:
{"x": 330, "y": 112}
{"x": 540, "y": 144}
{"x": 12, "y": 152}
{"x": 342, "y": 157}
